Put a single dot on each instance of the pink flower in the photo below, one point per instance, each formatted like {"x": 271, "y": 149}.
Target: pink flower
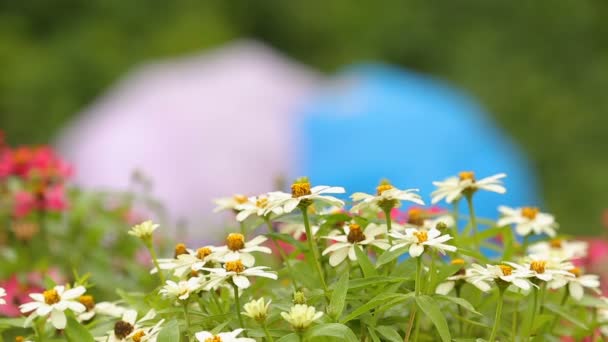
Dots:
{"x": 25, "y": 202}
{"x": 54, "y": 198}
{"x": 16, "y": 294}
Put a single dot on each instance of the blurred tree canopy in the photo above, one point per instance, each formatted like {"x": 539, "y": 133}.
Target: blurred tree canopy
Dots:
{"x": 541, "y": 67}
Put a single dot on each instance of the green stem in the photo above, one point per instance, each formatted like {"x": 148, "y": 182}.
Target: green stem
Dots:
{"x": 389, "y": 224}
{"x": 186, "y": 318}
{"x": 429, "y": 289}
{"x": 534, "y": 309}
{"x": 161, "y": 275}
{"x": 543, "y": 291}
{"x": 460, "y": 312}
{"x": 282, "y": 254}
{"x": 514, "y": 323}
{"x": 267, "y": 333}
{"x": 219, "y": 307}
{"x": 498, "y": 316}
{"x": 312, "y": 245}
{"x": 417, "y": 285}
{"x": 561, "y": 304}
{"x": 242, "y": 227}
{"x": 469, "y": 198}
{"x": 237, "y": 302}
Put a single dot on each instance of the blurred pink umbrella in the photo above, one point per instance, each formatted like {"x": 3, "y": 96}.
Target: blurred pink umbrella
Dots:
{"x": 199, "y": 127}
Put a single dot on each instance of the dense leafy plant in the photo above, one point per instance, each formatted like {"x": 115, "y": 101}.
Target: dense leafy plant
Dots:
{"x": 372, "y": 273}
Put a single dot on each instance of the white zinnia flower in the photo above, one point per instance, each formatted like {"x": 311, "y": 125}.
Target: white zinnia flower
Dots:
{"x": 229, "y": 203}
{"x": 354, "y": 237}
{"x": 186, "y": 263}
{"x": 454, "y": 187}
{"x": 257, "y": 309}
{"x": 482, "y": 277}
{"x": 143, "y": 230}
{"x": 527, "y": 220}
{"x": 2, "y": 294}
{"x": 301, "y": 191}
{"x": 418, "y": 239}
{"x": 559, "y": 249}
{"x": 206, "y": 336}
{"x": 301, "y": 316}
{"x": 387, "y": 197}
{"x": 258, "y": 205}
{"x": 296, "y": 229}
{"x": 103, "y": 308}
{"x": 181, "y": 290}
{"x": 54, "y": 302}
{"x": 129, "y": 329}
{"x": 237, "y": 248}
{"x": 237, "y": 271}
{"x": 546, "y": 269}
{"x": 578, "y": 283}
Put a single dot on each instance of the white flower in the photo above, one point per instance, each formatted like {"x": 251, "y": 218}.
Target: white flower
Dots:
{"x": 237, "y": 248}
{"x": 602, "y": 317}
{"x": 257, "y": 309}
{"x": 186, "y": 263}
{"x": 527, "y": 220}
{"x": 301, "y": 191}
{"x": 546, "y": 269}
{"x": 482, "y": 277}
{"x": 236, "y": 271}
{"x": 559, "y": 249}
{"x": 454, "y": 187}
{"x": 353, "y": 237}
{"x": 129, "y": 329}
{"x": 296, "y": 229}
{"x": 2, "y": 294}
{"x": 229, "y": 203}
{"x": 418, "y": 239}
{"x": 258, "y": 205}
{"x": 54, "y": 302}
{"x": 103, "y": 308}
{"x": 301, "y": 316}
{"x": 143, "y": 230}
{"x": 387, "y": 196}
{"x": 206, "y": 336}
{"x": 182, "y": 289}
{"x": 578, "y": 283}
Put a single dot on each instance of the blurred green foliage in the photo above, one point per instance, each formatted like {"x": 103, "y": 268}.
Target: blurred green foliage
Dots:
{"x": 540, "y": 67}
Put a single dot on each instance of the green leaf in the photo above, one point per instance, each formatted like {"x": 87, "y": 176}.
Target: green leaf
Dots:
{"x": 12, "y": 322}
{"x": 365, "y": 282}
{"x": 389, "y": 333}
{"x": 75, "y": 332}
{"x": 373, "y": 303}
{"x": 389, "y": 256}
{"x": 458, "y": 301}
{"x": 169, "y": 333}
{"x": 293, "y": 337}
{"x": 331, "y": 332}
{"x": 373, "y": 335}
{"x": 566, "y": 315}
{"x": 431, "y": 309}
{"x": 365, "y": 263}
{"x": 338, "y": 297}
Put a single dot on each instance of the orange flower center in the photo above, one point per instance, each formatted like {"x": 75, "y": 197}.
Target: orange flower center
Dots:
{"x": 137, "y": 337}
{"x": 235, "y": 266}
{"x": 467, "y": 175}
{"x": 457, "y": 262}
{"x": 87, "y": 301}
{"x": 122, "y": 329}
{"x": 555, "y": 243}
{"x": 180, "y": 249}
{"x": 422, "y": 236}
{"x": 261, "y": 202}
{"x": 355, "y": 234}
{"x": 240, "y": 199}
{"x": 506, "y": 270}
{"x": 576, "y": 271}
{"x": 235, "y": 241}
{"x": 202, "y": 252}
{"x": 529, "y": 212}
{"x": 382, "y": 188}
{"x": 415, "y": 216}
{"x": 51, "y": 297}
{"x": 213, "y": 339}
{"x": 300, "y": 189}
{"x": 538, "y": 266}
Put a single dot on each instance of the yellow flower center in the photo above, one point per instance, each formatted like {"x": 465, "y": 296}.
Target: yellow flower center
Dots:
{"x": 261, "y": 202}
{"x": 576, "y": 271}
{"x": 355, "y": 234}
{"x": 88, "y": 301}
{"x": 415, "y": 216}
{"x": 235, "y": 266}
{"x": 382, "y": 188}
{"x": 555, "y": 243}
{"x": 300, "y": 189}
{"x": 506, "y": 270}
{"x": 51, "y": 297}
{"x": 202, "y": 252}
{"x": 235, "y": 241}
{"x": 529, "y": 212}
{"x": 122, "y": 329}
{"x": 457, "y": 262}
{"x": 180, "y": 249}
{"x": 467, "y": 175}
{"x": 19, "y": 339}
{"x": 422, "y": 236}
{"x": 240, "y": 199}
{"x": 138, "y": 336}
{"x": 213, "y": 339}
{"x": 538, "y": 266}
